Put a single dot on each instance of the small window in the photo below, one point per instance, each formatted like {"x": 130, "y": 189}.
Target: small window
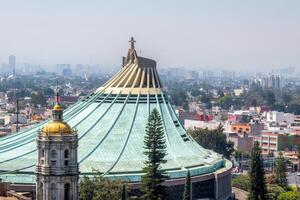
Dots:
{"x": 66, "y": 162}
{"x": 66, "y": 153}
{"x": 43, "y": 153}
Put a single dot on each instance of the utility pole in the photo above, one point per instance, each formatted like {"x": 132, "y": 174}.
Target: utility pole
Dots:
{"x": 17, "y": 127}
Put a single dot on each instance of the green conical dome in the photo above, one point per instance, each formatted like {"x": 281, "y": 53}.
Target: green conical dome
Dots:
{"x": 111, "y": 127}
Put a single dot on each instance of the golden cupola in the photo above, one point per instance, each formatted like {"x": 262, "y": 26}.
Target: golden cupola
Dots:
{"x": 57, "y": 126}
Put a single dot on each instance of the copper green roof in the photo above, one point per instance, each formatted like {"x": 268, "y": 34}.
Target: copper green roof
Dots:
{"x": 111, "y": 126}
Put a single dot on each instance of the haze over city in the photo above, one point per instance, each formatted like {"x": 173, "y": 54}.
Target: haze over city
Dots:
{"x": 232, "y": 35}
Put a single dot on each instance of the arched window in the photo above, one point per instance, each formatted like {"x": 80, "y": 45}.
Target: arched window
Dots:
{"x": 66, "y": 153}
{"x": 67, "y": 192}
{"x": 53, "y": 191}
{"x": 53, "y": 157}
{"x": 53, "y": 154}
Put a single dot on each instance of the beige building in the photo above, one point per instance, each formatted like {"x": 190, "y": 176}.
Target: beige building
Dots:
{"x": 278, "y": 140}
{"x": 242, "y": 141}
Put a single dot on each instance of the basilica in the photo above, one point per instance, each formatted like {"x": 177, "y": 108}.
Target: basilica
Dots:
{"x": 105, "y": 132}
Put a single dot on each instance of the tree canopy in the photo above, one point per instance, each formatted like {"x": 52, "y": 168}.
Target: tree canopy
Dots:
{"x": 97, "y": 187}
{"x": 280, "y": 171}
{"x": 214, "y": 140}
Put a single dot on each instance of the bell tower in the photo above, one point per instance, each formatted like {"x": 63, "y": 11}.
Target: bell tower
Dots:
{"x": 57, "y": 167}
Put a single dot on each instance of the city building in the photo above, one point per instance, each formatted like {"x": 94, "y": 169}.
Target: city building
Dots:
{"x": 241, "y": 141}
{"x": 248, "y": 128}
{"x": 111, "y": 124}
{"x": 273, "y": 141}
{"x": 193, "y": 116}
{"x": 275, "y": 117}
{"x": 271, "y": 81}
{"x": 57, "y": 168}
{"x": 193, "y": 124}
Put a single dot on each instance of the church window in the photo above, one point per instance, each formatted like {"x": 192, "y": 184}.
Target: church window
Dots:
{"x": 67, "y": 191}
{"x": 66, "y": 153}
{"x": 53, "y": 154}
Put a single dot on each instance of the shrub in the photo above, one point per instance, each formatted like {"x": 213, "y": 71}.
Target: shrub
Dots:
{"x": 242, "y": 182}
{"x": 291, "y": 195}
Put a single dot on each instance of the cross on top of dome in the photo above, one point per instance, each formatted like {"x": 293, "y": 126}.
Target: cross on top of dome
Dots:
{"x": 132, "y": 41}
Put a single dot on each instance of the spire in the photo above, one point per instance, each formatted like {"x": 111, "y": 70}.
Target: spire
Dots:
{"x": 57, "y": 111}
{"x": 57, "y": 99}
{"x": 131, "y": 55}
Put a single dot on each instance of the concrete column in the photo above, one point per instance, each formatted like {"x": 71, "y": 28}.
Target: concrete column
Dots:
{"x": 216, "y": 187}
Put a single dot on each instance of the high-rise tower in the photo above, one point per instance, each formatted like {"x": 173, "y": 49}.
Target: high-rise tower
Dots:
{"x": 12, "y": 64}
{"x": 57, "y": 167}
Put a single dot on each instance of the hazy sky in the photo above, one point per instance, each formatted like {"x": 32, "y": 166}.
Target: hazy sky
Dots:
{"x": 230, "y": 34}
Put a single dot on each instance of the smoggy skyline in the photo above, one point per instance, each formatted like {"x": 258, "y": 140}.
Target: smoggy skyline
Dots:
{"x": 232, "y": 35}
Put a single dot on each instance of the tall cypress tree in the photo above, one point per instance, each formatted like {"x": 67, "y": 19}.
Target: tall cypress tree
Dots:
{"x": 280, "y": 172}
{"x": 155, "y": 150}
{"x": 124, "y": 193}
{"x": 258, "y": 189}
{"x": 187, "y": 187}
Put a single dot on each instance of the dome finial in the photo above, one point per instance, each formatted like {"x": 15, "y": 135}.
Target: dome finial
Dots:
{"x": 132, "y": 41}
{"x": 57, "y": 99}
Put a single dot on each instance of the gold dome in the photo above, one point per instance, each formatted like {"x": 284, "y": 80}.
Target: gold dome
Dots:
{"x": 57, "y": 107}
{"x": 57, "y": 128}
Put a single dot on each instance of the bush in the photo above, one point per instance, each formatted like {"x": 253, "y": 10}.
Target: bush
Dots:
{"x": 274, "y": 191}
{"x": 242, "y": 182}
{"x": 291, "y": 195}
{"x": 271, "y": 179}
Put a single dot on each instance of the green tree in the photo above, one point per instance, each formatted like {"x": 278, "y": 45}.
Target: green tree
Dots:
{"x": 187, "y": 187}
{"x": 97, "y": 187}
{"x": 124, "y": 193}
{"x": 155, "y": 150}
{"x": 274, "y": 191}
{"x": 225, "y": 101}
{"x": 87, "y": 189}
{"x": 213, "y": 139}
{"x": 257, "y": 175}
{"x": 195, "y": 92}
{"x": 48, "y": 92}
{"x": 38, "y": 98}
{"x": 280, "y": 171}
{"x": 186, "y": 106}
{"x": 270, "y": 97}
{"x": 245, "y": 119}
{"x": 286, "y": 96}
{"x": 298, "y": 156}
{"x": 291, "y": 195}
{"x": 242, "y": 182}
